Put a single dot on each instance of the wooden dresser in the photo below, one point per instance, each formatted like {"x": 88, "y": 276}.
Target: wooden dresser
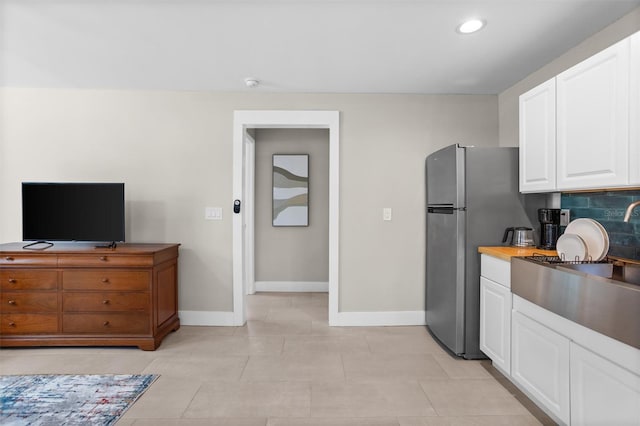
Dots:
{"x": 74, "y": 294}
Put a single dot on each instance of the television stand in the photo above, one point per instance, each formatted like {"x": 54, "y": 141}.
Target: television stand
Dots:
{"x": 76, "y": 295}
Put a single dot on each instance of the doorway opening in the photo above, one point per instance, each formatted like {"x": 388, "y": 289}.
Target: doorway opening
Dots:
{"x": 244, "y": 193}
{"x": 291, "y": 242}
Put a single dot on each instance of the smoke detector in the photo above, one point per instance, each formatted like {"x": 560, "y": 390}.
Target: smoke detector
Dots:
{"x": 251, "y": 82}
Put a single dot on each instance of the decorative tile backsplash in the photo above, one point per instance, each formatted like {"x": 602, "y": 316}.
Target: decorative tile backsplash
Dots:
{"x": 608, "y": 208}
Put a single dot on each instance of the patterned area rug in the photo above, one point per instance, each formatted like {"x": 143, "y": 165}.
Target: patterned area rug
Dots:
{"x": 69, "y": 399}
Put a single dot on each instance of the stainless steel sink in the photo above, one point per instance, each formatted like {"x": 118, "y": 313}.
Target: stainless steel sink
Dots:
{"x": 627, "y": 273}
{"x": 604, "y": 270}
{"x": 604, "y": 297}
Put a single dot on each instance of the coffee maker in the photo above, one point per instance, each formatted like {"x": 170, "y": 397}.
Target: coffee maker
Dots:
{"x": 549, "y": 228}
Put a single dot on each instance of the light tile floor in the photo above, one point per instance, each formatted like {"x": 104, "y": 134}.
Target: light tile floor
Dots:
{"x": 287, "y": 367}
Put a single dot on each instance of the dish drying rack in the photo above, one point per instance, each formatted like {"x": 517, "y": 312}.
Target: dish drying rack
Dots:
{"x": 543, "y": 258}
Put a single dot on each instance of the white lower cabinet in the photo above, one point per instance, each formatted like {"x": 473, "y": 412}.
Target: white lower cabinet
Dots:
{"x": 540, "y": 365}
{"x": 576, "y": 375}
{"x": 602, "y": 393}
{"x": 495, "y": 323}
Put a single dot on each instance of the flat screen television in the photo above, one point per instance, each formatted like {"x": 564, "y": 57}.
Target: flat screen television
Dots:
{"x": 72, "y": 211}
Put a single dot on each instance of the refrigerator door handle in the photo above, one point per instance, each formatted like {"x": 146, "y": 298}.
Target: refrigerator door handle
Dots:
{"x": 445, "y": 210}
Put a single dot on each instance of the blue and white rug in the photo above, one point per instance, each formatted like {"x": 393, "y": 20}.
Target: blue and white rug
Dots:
{"x": 69, "y": 399}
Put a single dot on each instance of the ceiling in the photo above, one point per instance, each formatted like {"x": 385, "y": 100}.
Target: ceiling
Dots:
{"x": 321, "y": 46}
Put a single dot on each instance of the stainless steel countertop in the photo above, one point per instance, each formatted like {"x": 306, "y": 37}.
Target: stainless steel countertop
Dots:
{"x": 604, "y": 305}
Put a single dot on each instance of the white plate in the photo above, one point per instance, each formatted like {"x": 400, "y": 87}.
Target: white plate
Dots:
{"x": 605, "y": 249}
{"x": 593, "y": 234}
{"x": 571, "y": 247}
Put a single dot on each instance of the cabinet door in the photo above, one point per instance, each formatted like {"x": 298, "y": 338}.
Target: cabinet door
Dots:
{"x": 601, "y": 391}
{"x": 538, "y": 138}
{"x": 593, "y": 121}
{"x": 495, "y": 323}
{"x": 540, "y": 364}
{"x": 634, "y": 104}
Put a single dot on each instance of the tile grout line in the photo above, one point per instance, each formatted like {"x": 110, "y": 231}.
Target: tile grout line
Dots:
{"x": 284, "y": 342}
{"x": 191, "y": 401}
{"x": 310, "y": 384}
{"x": 239, "y": 380}
{"x": 425, "y": 392}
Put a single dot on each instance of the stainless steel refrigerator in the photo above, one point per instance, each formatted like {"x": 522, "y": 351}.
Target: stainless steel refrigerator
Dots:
{"x": 472, "y": 196}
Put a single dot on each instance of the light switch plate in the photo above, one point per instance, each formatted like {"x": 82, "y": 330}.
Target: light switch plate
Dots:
{"x": 213, "y": 213}
{"x": 386, "y": 213}
{"x": 565, "y": 217}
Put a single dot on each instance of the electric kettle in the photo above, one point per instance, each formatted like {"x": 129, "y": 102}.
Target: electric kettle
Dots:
{"x": 520, "y": 236}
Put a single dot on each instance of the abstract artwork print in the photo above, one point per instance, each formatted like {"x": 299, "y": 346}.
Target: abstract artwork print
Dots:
{"x": 290, "y": 190}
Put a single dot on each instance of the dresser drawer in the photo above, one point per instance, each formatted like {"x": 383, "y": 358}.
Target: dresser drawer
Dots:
{"x": 105, "y": 302}
{"x": 106, "y": 323}
{"x": 28, "y": 302}
{"x": 104, "y": 260}
{"x": 106, "y": 280}
{"x": 23, "y": 279}
{"x": 28, "y": 323}
{"x": 29, "y": 259}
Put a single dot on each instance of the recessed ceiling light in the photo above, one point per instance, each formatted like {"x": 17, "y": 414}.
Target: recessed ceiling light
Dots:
{"x": 470, "y": 26}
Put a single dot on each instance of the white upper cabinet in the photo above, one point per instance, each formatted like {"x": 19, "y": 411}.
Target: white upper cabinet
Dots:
{"x": 538, "y": 138}
{"x": 581, "y": 129}
{"x": 593, "y": 121}
{"x": 634, "y": 105}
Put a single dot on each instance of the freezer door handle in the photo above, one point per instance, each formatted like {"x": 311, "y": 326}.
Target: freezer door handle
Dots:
{"x": 444, "y": 210}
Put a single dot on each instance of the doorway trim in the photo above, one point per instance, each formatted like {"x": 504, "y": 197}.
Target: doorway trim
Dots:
{"x": 245, "y": 120}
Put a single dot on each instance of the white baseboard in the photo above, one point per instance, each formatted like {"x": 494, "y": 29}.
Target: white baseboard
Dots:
{"x": 293, "y": 286}
{"x": 211, "y": 318}
{"x": 387, "y": 318}
{"x": 341, "y": 319}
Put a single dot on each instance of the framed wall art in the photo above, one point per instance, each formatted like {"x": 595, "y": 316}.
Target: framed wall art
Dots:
{"x": 290, "y": 190}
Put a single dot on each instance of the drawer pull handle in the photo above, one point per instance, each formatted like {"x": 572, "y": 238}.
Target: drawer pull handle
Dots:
{"x": 12, "y": 302}
{"x": 106, "y": 323}
{"x": 12, "y": 281}
{"x": 106, "y": 302}
{"x": 12, "y": 324}
{"x": 103, "y": 258}
{"x": 105, "y": 280}
{"x": 8, "y": 258}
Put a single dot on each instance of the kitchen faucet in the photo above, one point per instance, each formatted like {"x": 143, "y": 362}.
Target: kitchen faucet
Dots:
{"x": 630, "y": 208}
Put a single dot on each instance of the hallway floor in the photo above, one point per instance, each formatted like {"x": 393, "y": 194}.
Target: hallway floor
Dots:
{"x": 288, "y": 367}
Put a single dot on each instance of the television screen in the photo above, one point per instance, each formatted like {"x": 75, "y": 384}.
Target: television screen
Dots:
{"x": 72, "y": 211}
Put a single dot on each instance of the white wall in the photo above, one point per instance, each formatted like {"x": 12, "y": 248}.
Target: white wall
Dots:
{"x": 299, "y": 253}
{"x": 508, "y": 100}
{"x": 174, "y": 152}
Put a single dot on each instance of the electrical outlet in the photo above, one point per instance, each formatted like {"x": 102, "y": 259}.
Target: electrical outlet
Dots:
{"x": 386, "y": 213}
{"x": 565, "y": 217}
